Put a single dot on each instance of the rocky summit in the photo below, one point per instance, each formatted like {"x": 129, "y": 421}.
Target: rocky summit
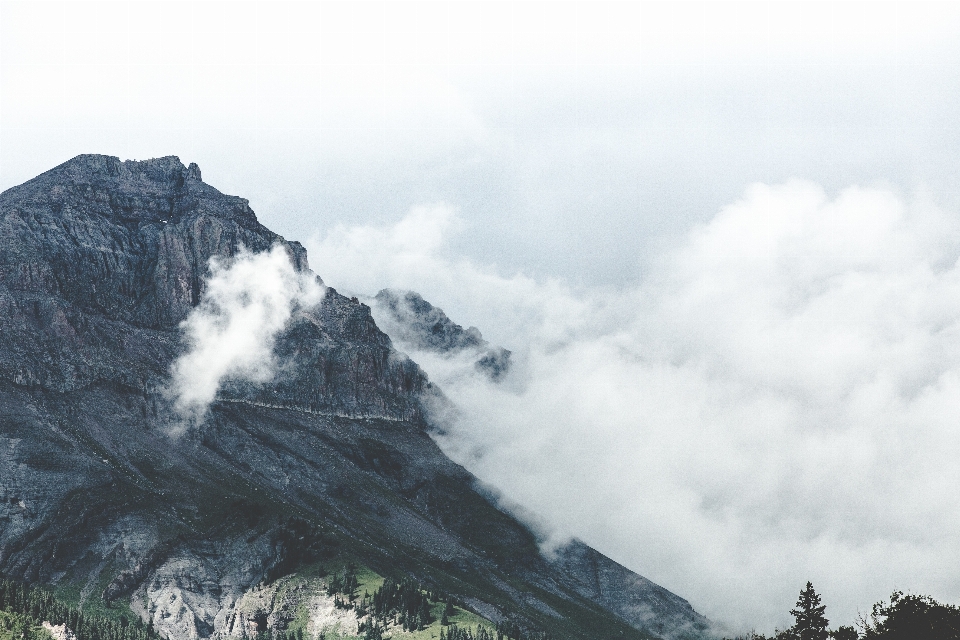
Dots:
{"x": 416, "y": 325}
{"x": 312, "y": 505}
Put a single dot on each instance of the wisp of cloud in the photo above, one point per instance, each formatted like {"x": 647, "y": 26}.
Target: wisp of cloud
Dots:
{"x": 247, "y": 300}
{"x": 777, "y": 403}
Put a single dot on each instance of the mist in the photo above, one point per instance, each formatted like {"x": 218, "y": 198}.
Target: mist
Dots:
{"x": 731, "y": 389}
{"x": 578, "y": 141}
{"x": 777, "y": 403}
{"x": 246, "y": 302}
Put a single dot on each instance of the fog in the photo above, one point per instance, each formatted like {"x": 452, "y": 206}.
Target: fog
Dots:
{"x": 720, "y": 239}
{"x": 246, "y": 302}
{"x": 778, "y": 404}
{"x": 579, "y": 140}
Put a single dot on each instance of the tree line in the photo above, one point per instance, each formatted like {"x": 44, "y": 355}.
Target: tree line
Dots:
{"x": 502, "y": 631}
{"x": 903, "y": 617}
{"x": 24, "y": 608}
{"x": 408, "y": 604}
{"x": 403, "y": 603}
{"x": 16, "y": 626}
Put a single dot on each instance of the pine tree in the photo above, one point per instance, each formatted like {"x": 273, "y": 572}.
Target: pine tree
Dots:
{"x": 844, "y": 633}
{"x": 811, "y": 625}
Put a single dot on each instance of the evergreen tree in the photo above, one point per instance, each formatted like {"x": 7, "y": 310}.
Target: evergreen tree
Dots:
{"x": 810, "y": 625}
{"x": 911, "y": 617}
{"x": 844, "y": 633}
{"x": 25, "y": 606}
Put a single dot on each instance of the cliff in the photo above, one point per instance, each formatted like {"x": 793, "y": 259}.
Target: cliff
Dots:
{"x": 417, "y": 325}
{"x": 327, "y": 464}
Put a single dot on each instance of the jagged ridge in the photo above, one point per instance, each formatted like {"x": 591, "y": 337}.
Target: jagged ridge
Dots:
{"x": 418, "y": 325}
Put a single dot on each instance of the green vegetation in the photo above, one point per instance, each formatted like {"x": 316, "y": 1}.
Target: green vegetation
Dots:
{"x": 810, "y": 625}
{"x": 407, "y": 609}
{"x": 912, "y": 617}
{"x": 23, "y": 608}
{"x": 16, "y": 626}
{"x": 904, "y": 617}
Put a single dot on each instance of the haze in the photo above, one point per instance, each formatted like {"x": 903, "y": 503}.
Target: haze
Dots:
{"x": 721, "y": 239}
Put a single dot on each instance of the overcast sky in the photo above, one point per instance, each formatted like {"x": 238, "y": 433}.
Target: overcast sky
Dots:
{"x": 720, "y": 238}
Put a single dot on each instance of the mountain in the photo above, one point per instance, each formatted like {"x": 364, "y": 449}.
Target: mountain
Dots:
{"x": 299, "y": 506}
{"x": 415, "y": 324}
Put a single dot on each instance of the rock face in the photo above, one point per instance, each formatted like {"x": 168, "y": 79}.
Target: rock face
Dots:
{"x": 637, "y": 600}
{"x": 100, "y": 262}
{"x": 416, "y": 324}
{"x": 59, "y": 631}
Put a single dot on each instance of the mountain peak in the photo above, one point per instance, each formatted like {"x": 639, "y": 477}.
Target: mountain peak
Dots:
{"x": 425, "y": 325}
{"x": 118, "y": 241}
{"x": 165, "y": 170}
{"x": 163, "y": 173}
{"x": 290, "y": 480}
{"x": 153, "y": 190}
{"x": 417, "y": 325}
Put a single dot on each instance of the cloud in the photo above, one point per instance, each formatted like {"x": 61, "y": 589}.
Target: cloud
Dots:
{"x": 777, "y": 403}
{"x": 248, "y": 299}
{"x": 414, "y": 254}
{"x": 682, "y": 106}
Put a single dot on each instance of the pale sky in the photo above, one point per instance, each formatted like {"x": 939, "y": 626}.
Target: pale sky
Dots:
{"x": 720, "y": 238}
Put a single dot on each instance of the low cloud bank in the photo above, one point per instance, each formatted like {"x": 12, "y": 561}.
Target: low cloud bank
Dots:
{"x": 248, "y": 299}
{"x": 779, "y": 403}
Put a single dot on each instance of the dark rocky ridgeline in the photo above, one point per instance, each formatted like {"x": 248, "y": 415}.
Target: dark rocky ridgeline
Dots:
{"x": 637, "y": 600}
{"x": 100, "y": 260}
{"x": 416, "y": 324}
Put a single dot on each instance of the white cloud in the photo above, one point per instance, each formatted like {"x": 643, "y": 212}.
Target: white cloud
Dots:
{"x": 645, "y": 115}
{"x": 412, "y": 253}
{"x": 247, "y": 300}
{"x": 799, "y": 346}
{"x": 779, "y": 403}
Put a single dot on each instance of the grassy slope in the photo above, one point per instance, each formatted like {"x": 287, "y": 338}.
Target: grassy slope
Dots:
{"x": 316, "y": 577}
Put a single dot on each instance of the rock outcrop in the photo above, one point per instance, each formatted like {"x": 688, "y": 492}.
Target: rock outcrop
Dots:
{"x": 100, "y": 262}
{"x": 417, "y": 325}
{"x": 639, "y": 601}
{"x": 59, "y": 631}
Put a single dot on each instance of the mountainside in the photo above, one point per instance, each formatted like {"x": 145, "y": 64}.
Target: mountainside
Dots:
{"x": 416, "y": 324}
{"x": 247, "y": 522}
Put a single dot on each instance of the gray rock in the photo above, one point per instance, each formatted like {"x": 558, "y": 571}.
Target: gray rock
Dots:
{"x": 100, "y": 262}
{"x": 639, "y": 601}
{"x": 417, "y": 325}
